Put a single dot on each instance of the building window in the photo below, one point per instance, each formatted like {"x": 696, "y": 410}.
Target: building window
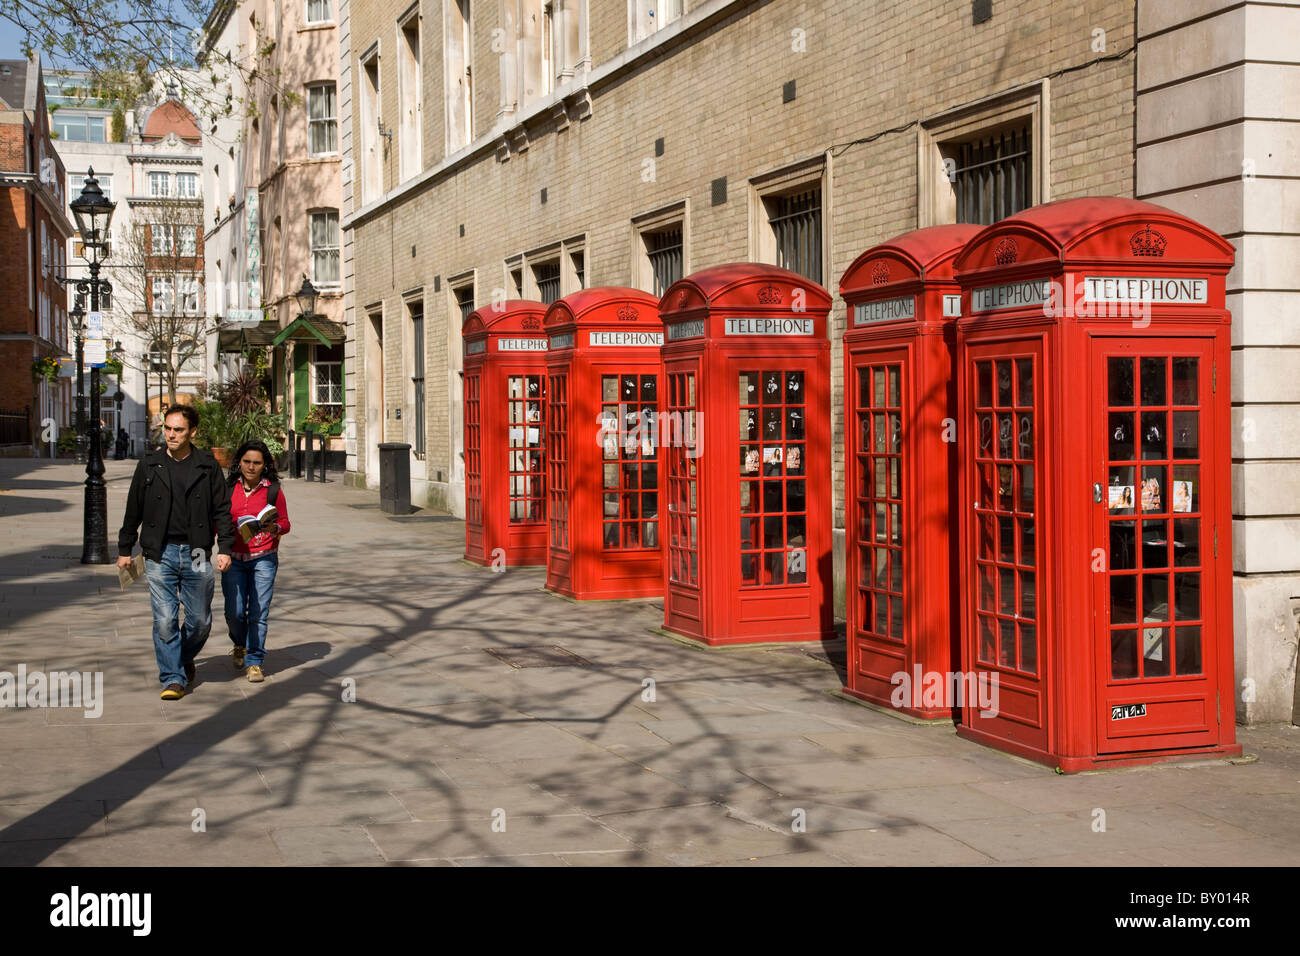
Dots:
{"x": 645, "y": 17}
{"x": 465, "y": 302}
{"x": 991, "y": 175}
{"x": 319, "y": 11}
{"x": 78, "y": 128}
{"x": 327, "y": 376}
{"x": 579, "y": 260}
{"x": 416, "y": 310}
{"x": 547, "y": 277}
{"x": 159, "y": 184}
{"x": 371, "y": 167}
{"x": 160, "y": 239}
{"x": 796, "y": 221}
{"x": 410, "y": 98}
{"x": 187, "y": 185}
{"x": 663, "y": 252}
{"x": 325, "y": 247}
{"x": 984, "y": 162}
{"x": 77, "y": 180}
{"x": 164, "y": 295}
{"x": 189, "y": 240}
{"x": 458, "y": 57}
{"x": 322, "y": 120}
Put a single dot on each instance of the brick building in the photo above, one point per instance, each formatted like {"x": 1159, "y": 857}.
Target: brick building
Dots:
{"x": 34, "y": 230}
{"x": 531, "y": 147}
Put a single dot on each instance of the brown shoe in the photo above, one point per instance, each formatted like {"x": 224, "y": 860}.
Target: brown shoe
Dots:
{"x": 189, "y": 675}
{"x": 173, "y": 692}
{"x": 255, "y": 674}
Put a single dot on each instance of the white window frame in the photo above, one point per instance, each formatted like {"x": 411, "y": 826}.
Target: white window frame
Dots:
{"x": 328, "y": 122}
{"x": 372, "y": 170}
{"x": 312, "y": 248}
{"x": 410, "y": 97}
{"x": 163, "y": 293}
{"x": 316, "y": 383}
{"x": 647, "y": 17}
{"x": 329, "y": 13}
{"x": 157, "y": 177}
{"x": 188, "y": 240}
{"x": 161, "y": 239}
{"x": 191, "y": 295}
{"x": 191, "y": 178}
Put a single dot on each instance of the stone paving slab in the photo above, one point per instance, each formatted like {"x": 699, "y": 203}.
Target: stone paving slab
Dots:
{"x": 386, "y": 734}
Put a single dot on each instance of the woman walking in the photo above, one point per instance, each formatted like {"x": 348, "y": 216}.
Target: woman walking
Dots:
{"x": 257, "y": 509}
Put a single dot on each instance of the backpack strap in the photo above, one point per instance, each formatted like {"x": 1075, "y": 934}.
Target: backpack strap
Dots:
{"x": 273, "y": 493}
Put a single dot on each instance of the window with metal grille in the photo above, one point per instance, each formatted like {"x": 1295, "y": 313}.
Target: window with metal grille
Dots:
{"x": 664, "y": 250}
{"x": 580, "y": 268}
{"x": 465, "y": 302}
{"x": 417, "y": 373}
{"x": 548, "y": 281}
{"x": 993, "y": 175}
{"x": 797, "y": 226}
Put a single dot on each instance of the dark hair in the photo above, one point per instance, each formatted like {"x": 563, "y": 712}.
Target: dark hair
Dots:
{"x": 268, "y": 461}
{"x": 189, "y": 411}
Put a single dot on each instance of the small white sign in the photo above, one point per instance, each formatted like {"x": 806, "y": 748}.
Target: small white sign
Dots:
{"x": 626, "y": 339}
{"x": 769, "y": 326}
{"x": 475, "y": 347}
{"x": 94, "y": 325}
{"x": 1125, "y": 711}
{"x": 685, "y": 330}
{"x": 521, "y": 345}
{"x": 564, "y": 341}
{"x": 1155, "y": 289}
{"x": 952, "y": 307}
{"x": 1010, "y": 295}
{"x": 95, "y": 353}
{"x": 886, "y": 310}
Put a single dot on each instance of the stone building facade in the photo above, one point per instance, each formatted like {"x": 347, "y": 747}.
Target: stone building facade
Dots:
{"x": 528, "y": 148}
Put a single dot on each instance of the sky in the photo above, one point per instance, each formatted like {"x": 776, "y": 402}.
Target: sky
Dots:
{"x": 10, "y": 38}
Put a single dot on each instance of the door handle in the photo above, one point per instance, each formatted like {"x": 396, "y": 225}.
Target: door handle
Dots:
{"x": 1096, "y": 492}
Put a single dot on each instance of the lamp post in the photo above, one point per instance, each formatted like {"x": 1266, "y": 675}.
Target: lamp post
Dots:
{"x": 93, "y": 212}
{"x": 78, "y": 317}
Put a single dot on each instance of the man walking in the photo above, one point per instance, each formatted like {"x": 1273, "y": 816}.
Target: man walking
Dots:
{"x": 183, "y": 500}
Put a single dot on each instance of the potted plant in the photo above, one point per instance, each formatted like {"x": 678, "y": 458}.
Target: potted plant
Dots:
{"x": 324, "y": 420}
{"x": 216, "y": 431}
{"x": 46, "y": 368}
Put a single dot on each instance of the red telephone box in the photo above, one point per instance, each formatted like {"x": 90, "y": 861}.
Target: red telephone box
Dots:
{"x": 748, "y": 516}
{"x": 900, "y": 469}
{"x": 1095, "y": 510}
{"x": 603, "y": 472}
{"x": 504, "y": 395}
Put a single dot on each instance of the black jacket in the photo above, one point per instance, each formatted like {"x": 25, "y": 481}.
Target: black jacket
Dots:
{"x": 149, "y": 503}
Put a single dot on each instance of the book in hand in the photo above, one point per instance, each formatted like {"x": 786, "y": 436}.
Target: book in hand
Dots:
{"x": 127, "y": 576}
{"x": 249, "y": 526}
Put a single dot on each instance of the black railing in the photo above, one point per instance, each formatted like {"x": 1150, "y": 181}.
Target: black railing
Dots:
{"x": 301, "y": 448}
{"x": 16, "y": 426}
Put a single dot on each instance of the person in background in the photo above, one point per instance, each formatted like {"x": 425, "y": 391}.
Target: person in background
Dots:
{"x": 120, "y": 446}
{"x": 249, "y": 583}
{"x": 178, "y": 494}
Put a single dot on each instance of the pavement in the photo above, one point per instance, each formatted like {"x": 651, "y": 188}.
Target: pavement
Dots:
{"x": 392, "y": 730}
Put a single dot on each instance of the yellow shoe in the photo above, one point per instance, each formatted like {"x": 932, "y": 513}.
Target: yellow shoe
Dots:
{"x": 173, "y": 692}
{"x": 255, "y": 674}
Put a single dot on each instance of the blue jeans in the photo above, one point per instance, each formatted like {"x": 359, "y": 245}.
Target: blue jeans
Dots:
{"x": 247, "y": 587}
{"x": 180, "y": 578}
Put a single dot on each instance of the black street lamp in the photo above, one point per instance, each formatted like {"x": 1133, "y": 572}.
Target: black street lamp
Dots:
{"x": 306, "y": 296}
{"x": 78, "y": 317}
{"x": 93, "y": 211}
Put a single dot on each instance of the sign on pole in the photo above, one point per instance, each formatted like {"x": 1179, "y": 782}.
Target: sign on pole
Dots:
{"x": 96, "y": 353}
